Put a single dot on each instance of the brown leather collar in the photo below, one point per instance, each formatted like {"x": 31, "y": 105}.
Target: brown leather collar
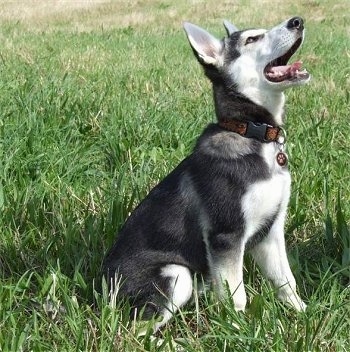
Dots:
{"x": 260, "y": 131}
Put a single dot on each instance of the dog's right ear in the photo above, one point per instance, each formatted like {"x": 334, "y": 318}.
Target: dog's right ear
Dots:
{"x": 230, "y": 28}
{"x": 206, "y": 47}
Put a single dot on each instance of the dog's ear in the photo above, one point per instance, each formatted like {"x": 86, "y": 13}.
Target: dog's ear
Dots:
{"x": 207, "y": 48}
{"x": 230, "y": 28}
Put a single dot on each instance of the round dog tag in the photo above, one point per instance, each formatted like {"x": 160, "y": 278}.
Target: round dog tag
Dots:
{"x": 282, "y": 159}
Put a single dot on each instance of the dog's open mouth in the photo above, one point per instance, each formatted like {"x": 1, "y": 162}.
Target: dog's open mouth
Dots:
{"x": 278, "y": 70}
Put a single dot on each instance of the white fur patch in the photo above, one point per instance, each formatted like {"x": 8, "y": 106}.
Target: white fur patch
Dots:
{"x": 181, "y": 288}
{"x": 262, "y": 201}
{"x": 181, "y": 283}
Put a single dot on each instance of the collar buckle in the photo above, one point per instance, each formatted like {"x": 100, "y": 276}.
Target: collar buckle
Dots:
{"x": 257, "y": 130}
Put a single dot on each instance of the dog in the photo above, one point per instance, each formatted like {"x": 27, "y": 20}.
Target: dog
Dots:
{"x": 229, "y": 196}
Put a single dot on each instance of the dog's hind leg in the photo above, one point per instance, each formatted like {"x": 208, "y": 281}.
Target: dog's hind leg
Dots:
{"x": 179, "y": 290}
{"x": 270, "y": 254}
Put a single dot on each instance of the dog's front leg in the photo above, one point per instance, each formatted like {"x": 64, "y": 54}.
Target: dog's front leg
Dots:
{"x": 270, "y": 254}
{"x": 227, "y": 270}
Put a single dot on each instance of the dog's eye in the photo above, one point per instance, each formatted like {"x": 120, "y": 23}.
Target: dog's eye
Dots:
{"x": 253, "y": 39}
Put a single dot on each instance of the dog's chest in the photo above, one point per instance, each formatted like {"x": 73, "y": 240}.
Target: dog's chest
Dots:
{"x": 265, "y": 199}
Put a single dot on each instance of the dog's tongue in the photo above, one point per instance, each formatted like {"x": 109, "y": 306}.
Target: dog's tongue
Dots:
{"x": 283, "y": 72}
{"x": 296, "y": 66}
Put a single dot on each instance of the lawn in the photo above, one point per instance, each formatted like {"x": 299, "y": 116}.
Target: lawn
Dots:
{"x": 99, "y": 101}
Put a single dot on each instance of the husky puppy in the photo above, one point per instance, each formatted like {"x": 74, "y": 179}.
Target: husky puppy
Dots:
{"x": 230, "y": 195}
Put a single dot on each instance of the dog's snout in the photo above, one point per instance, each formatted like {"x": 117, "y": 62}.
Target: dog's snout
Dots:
{"x": 296, "y": 23}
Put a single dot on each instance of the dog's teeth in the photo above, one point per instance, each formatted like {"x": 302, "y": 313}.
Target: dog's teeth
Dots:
{"x": 300, "y": 73}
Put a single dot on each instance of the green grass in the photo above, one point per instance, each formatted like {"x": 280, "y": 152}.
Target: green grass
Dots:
{"x": 92, "y": 116}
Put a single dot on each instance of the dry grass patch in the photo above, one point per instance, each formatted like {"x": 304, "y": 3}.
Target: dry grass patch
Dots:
{"x": 87, "y": 15}
{"x": 32, "y": 11}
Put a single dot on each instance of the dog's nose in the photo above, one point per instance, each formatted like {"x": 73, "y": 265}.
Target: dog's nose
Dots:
{"x": 296, "y": 23}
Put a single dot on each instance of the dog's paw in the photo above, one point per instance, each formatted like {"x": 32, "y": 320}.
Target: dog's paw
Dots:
{"x": 295, "y": 301}
{"x": 239, "y": 306}
{"x": 302, "y": 306}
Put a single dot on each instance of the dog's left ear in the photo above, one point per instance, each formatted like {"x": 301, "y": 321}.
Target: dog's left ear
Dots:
{"x": 230, "y": 28}
{"x": 207, "y": 48}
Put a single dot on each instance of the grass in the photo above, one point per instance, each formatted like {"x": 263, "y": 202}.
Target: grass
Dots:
{"x": 100, "y": 102}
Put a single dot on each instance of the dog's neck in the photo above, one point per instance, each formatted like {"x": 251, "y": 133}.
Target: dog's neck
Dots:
{"x": 249, "y": 105}
{"x": 272, "y": 101}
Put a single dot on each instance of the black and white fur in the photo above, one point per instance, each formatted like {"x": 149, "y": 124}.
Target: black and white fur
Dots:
{"x": 228, "y": 197}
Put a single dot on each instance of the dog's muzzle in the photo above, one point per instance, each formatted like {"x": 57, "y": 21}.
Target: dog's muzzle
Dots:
{"x": 278, "y": 71}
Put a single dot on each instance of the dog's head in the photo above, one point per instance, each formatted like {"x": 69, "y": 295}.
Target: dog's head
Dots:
{"x": 252, "y": 59}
